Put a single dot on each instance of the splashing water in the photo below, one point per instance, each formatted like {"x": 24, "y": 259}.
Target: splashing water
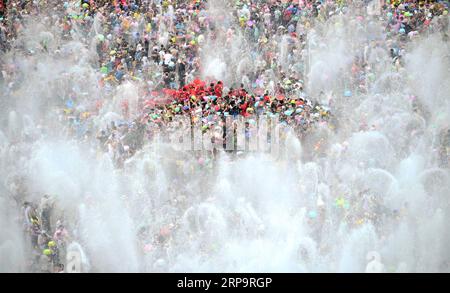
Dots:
{"x": 374, "y": 199}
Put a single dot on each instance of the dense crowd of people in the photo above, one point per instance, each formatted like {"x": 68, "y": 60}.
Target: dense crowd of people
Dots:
{"x": 48, "y": 244}
{"x": 158, "y": 44}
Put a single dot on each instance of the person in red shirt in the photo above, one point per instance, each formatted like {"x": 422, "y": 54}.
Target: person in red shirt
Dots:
{"x": 218, "y": 89}
{"x": 210, "y": 89}
{"x": 2, "y": 8}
